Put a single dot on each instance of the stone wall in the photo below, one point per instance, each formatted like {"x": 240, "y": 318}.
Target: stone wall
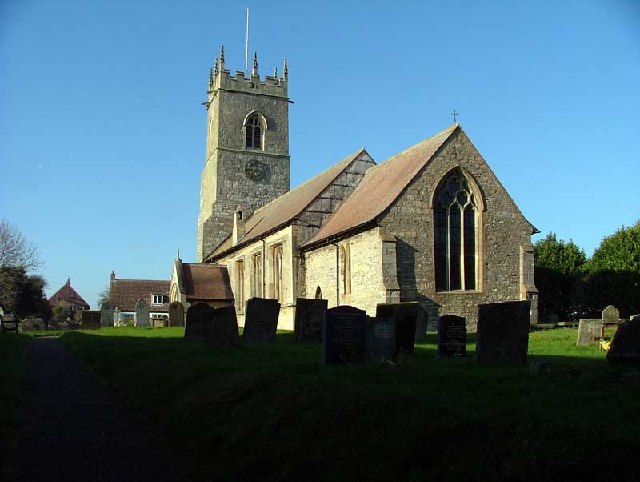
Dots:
{"x": 502, "y": 233}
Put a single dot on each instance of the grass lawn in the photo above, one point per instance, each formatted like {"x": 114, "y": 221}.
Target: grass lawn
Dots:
{"x": 274, "y": 412}
{"x": 13, "y": 349}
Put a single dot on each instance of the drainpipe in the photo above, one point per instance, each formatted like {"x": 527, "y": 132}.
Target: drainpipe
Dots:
{"x": 264, "y": 266}
{"x": 337, "y": 274}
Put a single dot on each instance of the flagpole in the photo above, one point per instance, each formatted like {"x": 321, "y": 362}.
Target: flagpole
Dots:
{"x": 246, "y": 46}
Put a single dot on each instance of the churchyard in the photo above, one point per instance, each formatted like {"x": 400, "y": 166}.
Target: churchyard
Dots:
{"x": 275, "y": 411}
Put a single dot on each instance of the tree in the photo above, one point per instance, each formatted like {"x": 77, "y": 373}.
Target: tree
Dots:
{"x": 23, "y": 295}
{"x": 558, "y": 268}
{"x": 15, "y": 250}
{"x": 614, "y": 272}
{"x": 103, "y": 297}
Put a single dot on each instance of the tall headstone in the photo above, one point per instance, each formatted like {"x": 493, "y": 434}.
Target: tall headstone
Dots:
{"x": 261, "y": 320}
{"x": 589, "y": 332}
{"x": 142, "y": 314}
{"x": 381, "y": 343}
{"x": 625, "y": 347}
{"x": 344, "y": 335}
{"x": 452, "y": 336}
{"x": 223, "y": 329}
{"x": 503, "y": 333}
{"x": 106, "y": 314}
{"x": 198, "y": 316}
{"x": 309, "y": 319}
{"x": 176, "y": 314}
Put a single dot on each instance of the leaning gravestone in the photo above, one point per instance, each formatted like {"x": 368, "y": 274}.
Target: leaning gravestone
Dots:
{"x": 198, "y": 316}
{"x": 503, "y": 333}
{"x": 142, "y": 314}
{"x": 106, "y": 314}
{"x": 625, "y": 347}
{"x": 589, "y": 332}
{"x": 344, "y": 335}
{"x": 309, "y": 319}
{"x": 261, "y": 320}
{"x": 452, "y": 336}
{"x": 176, "y": 314}
{"x": 223, "y": 329}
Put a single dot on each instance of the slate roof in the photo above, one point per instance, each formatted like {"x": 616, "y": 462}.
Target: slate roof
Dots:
{"x": 125, "y": 293}
{"x": 203, "y": 281}
{"x": 380, "y": 187}
{"x": 67, "y": 294}
{"x": 284, "y": 209}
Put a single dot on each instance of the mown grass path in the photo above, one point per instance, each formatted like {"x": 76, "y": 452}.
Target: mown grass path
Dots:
{"x": 74, "y": 429}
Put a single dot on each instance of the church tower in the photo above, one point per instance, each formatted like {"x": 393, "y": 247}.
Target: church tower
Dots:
{"x": 247, "y": 154}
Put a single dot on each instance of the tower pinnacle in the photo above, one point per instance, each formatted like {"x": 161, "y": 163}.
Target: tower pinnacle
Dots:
{"x": 285, "y": 69}
{"x": 254, "y": 71}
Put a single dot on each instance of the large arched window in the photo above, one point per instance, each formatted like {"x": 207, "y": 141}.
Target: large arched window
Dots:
{"x": 254, "y": 127}
{"x": 455, "y": 212}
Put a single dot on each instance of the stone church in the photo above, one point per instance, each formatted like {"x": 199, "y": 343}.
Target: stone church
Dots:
{"x": 431, "y": 224}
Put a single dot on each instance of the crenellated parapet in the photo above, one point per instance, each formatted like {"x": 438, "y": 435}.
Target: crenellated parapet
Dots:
{"x": 220, "y": 78}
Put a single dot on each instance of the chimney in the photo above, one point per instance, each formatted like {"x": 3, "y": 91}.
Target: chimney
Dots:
{"x": 238, "y": 226}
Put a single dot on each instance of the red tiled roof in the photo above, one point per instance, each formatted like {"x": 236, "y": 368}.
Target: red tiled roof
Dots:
{"x": 68, "y": 295}
{"x": 284, "y": 209}
{"x": 380, "y": 187}
{"x": 206, "y": 282}
{"x": 125, "y": 293}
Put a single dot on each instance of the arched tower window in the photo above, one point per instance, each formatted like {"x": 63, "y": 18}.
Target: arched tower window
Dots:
{"x": 255, "y": 126}
{"x": 455, "y": 212}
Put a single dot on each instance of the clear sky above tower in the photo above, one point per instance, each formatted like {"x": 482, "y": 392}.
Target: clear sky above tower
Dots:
{"x": 102, "y": 131}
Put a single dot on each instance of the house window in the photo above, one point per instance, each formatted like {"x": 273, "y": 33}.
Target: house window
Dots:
{"x": 253, "y": 132}
{"x": 159, "y": 299}
{"x": 240, "y": 284}
{"x": 257, "y": 275}
{"x": 345, "y": 266}
{"x": 455, "y": 235}
{"x": 277, "y": 272}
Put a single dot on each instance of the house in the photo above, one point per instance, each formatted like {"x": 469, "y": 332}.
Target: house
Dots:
{"x": 68, "y": 299}
{"x": 132, "y": 298}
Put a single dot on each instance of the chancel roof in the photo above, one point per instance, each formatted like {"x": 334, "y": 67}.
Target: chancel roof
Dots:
{"x": 380, "y": 187}
{"x": 284, "y": 209}
{"x": 203, "y": 281}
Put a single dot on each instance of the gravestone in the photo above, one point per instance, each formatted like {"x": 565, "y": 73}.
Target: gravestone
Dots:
{"x": 381, "y": 342}
{"x": 106, "y": 314}
{"x": 344, "y": 335}
{"x": 91, "y": 319}
{"x": 309, "y": 319}
{"x": 405, "y": 318}
{"x": 452, "y": 336}
{"x": 261, "y": 320}
{"x": 222, "y": 330}
{"x": 503, "y": 333}
{"x": 611, "y": 314}
{"x": 176, "y": 314}
{"x": 198, "y": 316}
{"x": 158, "y": 322}
{"x": 142, "y": 314}
{"x": 589, "y": 332}
{"x": 625, "y": 347}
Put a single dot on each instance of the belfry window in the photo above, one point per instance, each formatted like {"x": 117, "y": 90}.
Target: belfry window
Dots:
{"x": 253, "y": 132}
{"x": 455, "y": 213}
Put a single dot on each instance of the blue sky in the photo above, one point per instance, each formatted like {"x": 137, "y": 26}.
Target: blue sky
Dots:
{"x": 102, "y": 134}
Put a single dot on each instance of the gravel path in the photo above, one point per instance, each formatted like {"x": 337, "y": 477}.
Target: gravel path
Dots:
{"x": 74, "y": 429}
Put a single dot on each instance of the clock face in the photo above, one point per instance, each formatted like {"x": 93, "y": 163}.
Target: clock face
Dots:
{"x": 257, "y": 171}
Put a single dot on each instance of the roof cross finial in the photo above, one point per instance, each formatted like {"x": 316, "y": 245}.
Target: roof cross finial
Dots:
{"x": 455, "y": 116}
